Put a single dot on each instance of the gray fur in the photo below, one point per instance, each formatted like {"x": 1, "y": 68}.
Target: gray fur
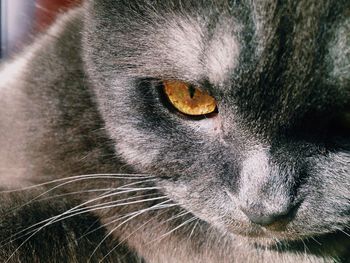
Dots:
{"x": 84, "y": 100}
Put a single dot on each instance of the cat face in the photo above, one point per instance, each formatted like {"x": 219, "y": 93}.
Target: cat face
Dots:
{"x": 274, "y": 161}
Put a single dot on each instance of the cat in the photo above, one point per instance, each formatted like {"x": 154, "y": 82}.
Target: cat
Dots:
{"x": 179, "y": 131}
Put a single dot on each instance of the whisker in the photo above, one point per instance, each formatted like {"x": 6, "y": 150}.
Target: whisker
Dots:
{"x": 114, "y": 204}
{"x": 314, "y": 239}
{"x": 90, "y": 232}
{"x": 75, "y": 193}
{"x": 83, "y": 177}
{"x": 133, "y": 232}
{"x": 193, "y": 229}
{"x": 174, "y": 217}
{"x": 344, "y": 232}
{"x": 54, "y": 220}
{"x": 143, "y": 225}
{"x": 158, "y": 206}
{"x": 112, "y": 194}
{"x": 110, "y": 204}
{"x": 125, "y": 221}
{"x": 306, "y": 249}
{"x": 174, "y": 229}
{"x": 72, "y": 212}
{"x": 52, "y": 189}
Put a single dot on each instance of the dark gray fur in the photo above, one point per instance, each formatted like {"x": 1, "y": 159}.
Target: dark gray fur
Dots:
{"x": 85, "y": 100}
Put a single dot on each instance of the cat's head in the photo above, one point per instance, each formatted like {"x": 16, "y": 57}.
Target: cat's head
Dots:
{"x": 273, "y": 158}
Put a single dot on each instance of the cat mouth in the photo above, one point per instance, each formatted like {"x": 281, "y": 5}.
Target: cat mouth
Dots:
{"x": 277, "y": 231}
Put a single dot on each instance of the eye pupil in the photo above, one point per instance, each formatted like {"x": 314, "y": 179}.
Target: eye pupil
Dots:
{"x": 192, "y": 91}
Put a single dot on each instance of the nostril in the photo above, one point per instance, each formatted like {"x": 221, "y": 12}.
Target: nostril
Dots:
{"x": 274, "y": 220}
{"x": 268, "y": 220}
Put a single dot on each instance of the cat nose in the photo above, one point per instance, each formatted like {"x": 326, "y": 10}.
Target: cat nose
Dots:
{"x": 274, "y": 220}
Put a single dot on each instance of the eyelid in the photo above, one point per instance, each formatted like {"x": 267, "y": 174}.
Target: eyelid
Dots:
{"x": 203, "y": 83}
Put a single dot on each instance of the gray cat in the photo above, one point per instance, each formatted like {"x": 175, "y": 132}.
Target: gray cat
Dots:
{"x": 180, "y": 131}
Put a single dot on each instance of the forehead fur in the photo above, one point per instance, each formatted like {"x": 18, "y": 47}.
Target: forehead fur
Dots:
{"x": 188, "y": 45}
{"x": 260, "y": 49}
{"x": 197, "y": 38}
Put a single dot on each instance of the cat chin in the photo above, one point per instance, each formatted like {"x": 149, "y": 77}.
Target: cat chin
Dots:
{"x": 263, "y": 235}
{"x": 268, "y": 239}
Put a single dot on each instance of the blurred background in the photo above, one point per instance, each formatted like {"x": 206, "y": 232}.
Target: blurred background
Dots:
{"x": 21, "y": 20}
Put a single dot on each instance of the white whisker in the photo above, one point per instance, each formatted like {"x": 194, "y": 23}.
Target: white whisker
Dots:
{"x": 74, "y": 212}
{"x": 193, "y": 229}
{"x": 84, "y": 177}
{"x": 344, "y": 232}
{"x": 105, "y": 190}
{"x": 176, "y": 216}
{"x": 89, "y": 232}
{"x": 133, "y": 232}
{"x": 174, "y": 229}
{"x": 155, "y": 207}
{"x": 74, "y": 209}
{"x": 52, "y": 189}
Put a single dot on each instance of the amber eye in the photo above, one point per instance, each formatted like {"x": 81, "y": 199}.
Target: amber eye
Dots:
{"x": 189, "y": 99}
